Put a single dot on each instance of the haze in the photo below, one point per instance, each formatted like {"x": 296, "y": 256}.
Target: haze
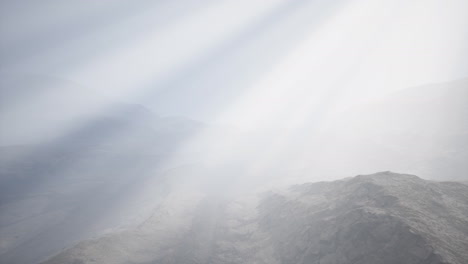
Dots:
{"x": 120, "y": 104}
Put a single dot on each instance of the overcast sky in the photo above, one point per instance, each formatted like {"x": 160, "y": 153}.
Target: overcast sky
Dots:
{"x": 219, "y": 60}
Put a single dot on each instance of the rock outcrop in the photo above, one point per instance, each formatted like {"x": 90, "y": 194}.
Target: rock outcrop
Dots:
{"x": 376, "y": 219}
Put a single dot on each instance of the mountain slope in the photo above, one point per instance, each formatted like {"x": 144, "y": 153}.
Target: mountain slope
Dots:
{"x": 421, "y": 130}
{"x": 380, "y": 218}
{"x": 95, "y": 178}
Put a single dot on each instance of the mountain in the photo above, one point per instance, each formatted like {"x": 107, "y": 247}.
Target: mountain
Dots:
{"x": 82, "y": 178}
{"x": 383, "y": 218}
{"x": 421, "y": 130}
{"x": 106, "y": 173}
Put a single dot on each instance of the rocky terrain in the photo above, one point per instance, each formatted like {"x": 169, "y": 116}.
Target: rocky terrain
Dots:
{"x": 377, "y": 219}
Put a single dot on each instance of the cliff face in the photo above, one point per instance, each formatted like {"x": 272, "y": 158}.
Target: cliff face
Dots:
{"x": 379, "y": 219}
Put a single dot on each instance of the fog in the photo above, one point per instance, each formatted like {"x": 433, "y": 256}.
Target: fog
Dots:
{"x": 109, "y": 107}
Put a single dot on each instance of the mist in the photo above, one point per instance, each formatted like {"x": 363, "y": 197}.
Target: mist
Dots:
{"x": 115, "y": 115}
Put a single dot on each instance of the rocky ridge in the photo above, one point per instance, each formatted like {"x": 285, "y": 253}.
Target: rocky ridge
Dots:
{"x": 380, "y": 218}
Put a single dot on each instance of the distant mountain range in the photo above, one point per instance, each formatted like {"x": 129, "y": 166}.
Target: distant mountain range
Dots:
{"x": 421, "y": 130}
{"x": 124, "y": 185}
{"x": 383, "y": 218}
{"x": 103, "y": 175}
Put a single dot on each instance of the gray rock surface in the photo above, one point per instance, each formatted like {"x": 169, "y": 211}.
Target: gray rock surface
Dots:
{"x": 377, "y": 219}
